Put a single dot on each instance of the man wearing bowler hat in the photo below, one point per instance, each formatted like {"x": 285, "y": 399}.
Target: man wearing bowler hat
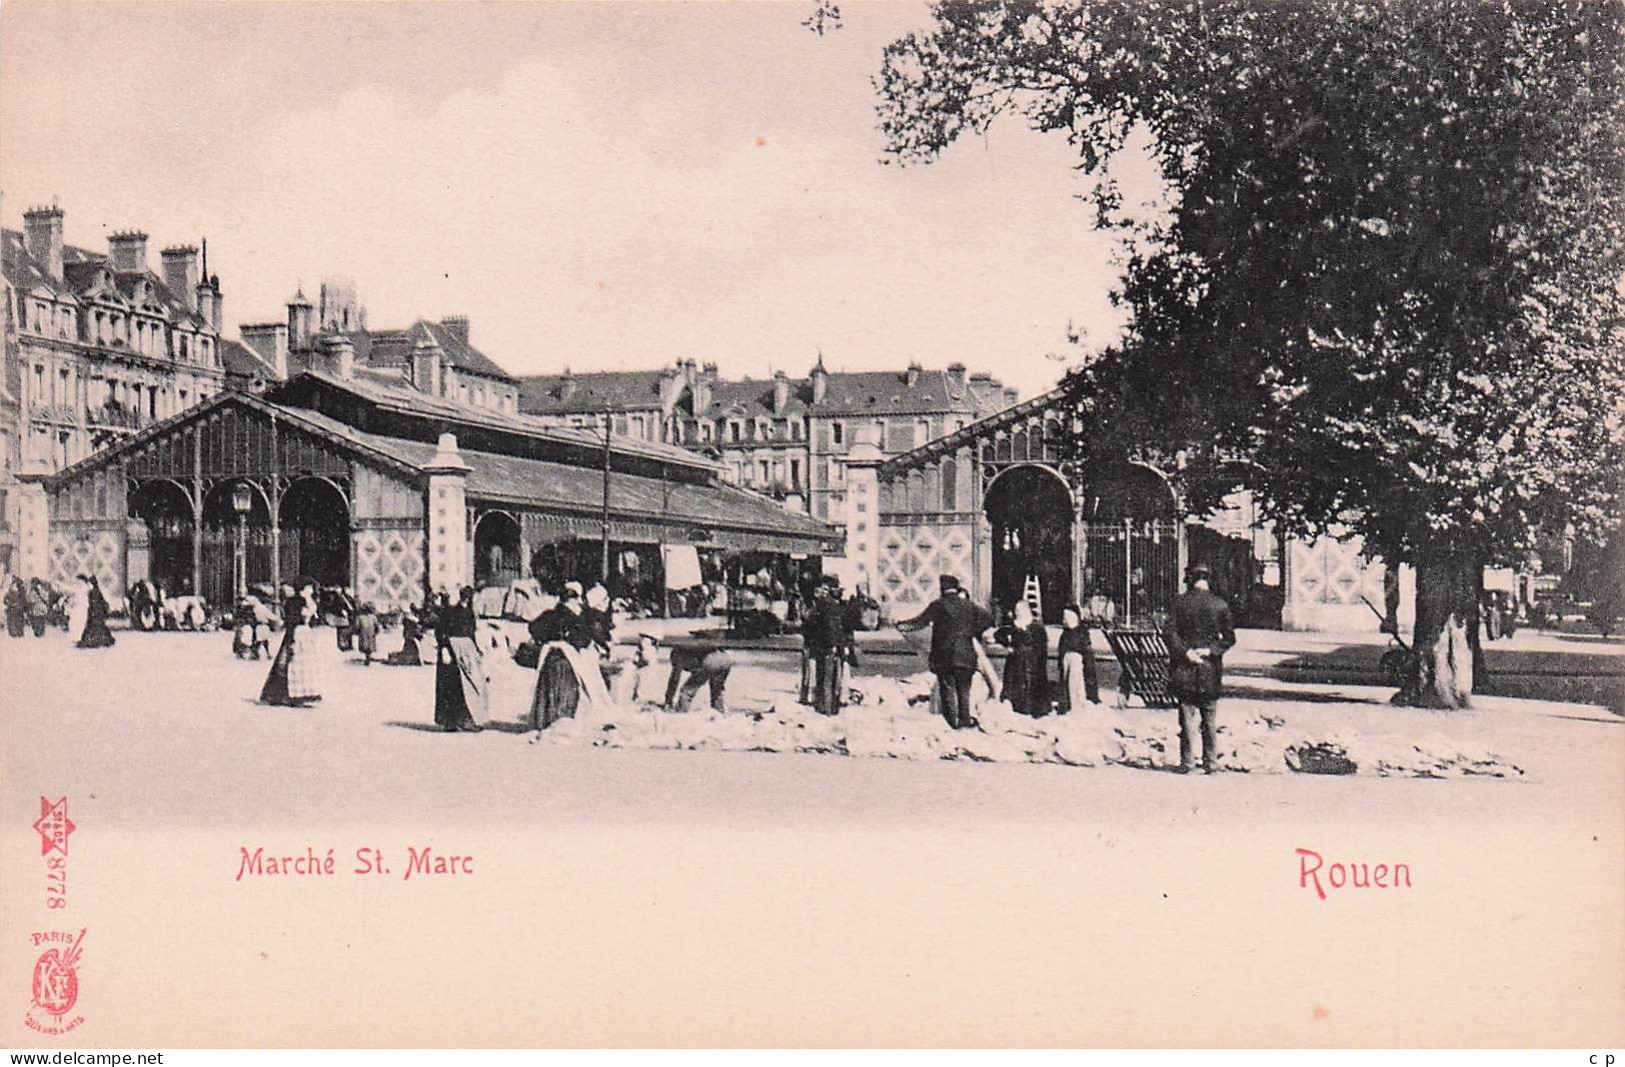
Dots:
{"x": 1198, "y": 634}
{"x": 956, "y": 622}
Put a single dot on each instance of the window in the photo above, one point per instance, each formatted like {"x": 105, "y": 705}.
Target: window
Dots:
{"x": 795, "y": 473}
{"x": 64, "y": 396}
{"x": 186, "y": 348}
{"x": 39, "y": 384}
{"x": 620, "y": 424}
{"x": 767, "y": 473}
{"x": 183, "y": 397}
{"x": 152, "y": 403}
{"x": 922, "y": 432}
{"x": 62, "y": 440}
{"x": 838, "y": 432}
{"x": 950, "y": 485}
{"x": 733, "y": 431}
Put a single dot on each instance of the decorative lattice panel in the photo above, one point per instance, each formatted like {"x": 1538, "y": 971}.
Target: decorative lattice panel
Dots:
{"x": 389, "y": 567}
{"x": 1329, "y": 571}
{"x": 912, "y": 558}
{"x": 97, "y": 552}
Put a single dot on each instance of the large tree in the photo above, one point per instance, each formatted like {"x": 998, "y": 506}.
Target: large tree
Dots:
{"x": 1386, "y": 271}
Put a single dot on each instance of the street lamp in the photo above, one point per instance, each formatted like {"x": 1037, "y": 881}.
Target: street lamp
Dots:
{"x": 242, "y": 502}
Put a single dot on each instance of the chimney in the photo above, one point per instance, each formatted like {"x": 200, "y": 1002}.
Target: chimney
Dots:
{"x": 180, "y": 273}
{"x": 207, "y": 299}
{"x": 128, "y": 250}
{"x": 340, "y": 352}
{"x": 457, "y": 326}
{"x": 956, "y": 375}
{"x": 912, "y": 375}
{"x": 820, "y": 381}
{"x": 781, "y": 392}
{"x": 42, "y": 228}
{"x": 703, "y": 388}
{"x": 217, "y": 315}
{"x": 426, "y": 366}
{"x": 689, "y": 369}
{"x": 300, "y": 310}
{"x": 270, "y": 340}
{"x": 567, "y": 385}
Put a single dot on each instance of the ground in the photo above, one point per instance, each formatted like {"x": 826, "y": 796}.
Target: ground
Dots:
{"x": 767, "y": 898}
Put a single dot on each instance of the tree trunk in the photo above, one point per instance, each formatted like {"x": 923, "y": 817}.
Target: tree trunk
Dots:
{"x": 1446, "y": 606}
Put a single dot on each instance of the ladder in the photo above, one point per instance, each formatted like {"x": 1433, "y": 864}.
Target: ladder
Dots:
{"x": 1034, "y": 596}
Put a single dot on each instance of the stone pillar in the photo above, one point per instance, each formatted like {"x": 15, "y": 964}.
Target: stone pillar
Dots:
{"x": 33, "y": 528}
{"x": 863, "y": 515}
{"x": 446, "y": 518}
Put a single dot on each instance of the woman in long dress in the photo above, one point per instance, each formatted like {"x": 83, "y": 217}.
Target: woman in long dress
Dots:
{"x": 295, "y": 677}
{"x": 95, "y": 634}
{"x": 1026, "y": 671}
{"x": 78, "y": 607}
{"x": 459, "y": 680}
{"x": 1079, "y": 680}
{"x": 568, "y": 665}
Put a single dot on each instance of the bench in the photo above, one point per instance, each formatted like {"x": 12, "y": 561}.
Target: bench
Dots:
{"x": 1142, "y": 656}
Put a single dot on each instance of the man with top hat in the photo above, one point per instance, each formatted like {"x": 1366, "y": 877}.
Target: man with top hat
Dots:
{"x": 1199, "y": 633}
{"x": 956, "y": 622}
{"x": 827, "y": 638}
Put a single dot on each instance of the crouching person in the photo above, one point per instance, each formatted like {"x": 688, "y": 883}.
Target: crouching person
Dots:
{"x": 704, "y": 665}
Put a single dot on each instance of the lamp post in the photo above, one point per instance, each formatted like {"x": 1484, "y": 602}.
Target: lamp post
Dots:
{"x": 604, "y": 562}
{"x": 242, "y": 501}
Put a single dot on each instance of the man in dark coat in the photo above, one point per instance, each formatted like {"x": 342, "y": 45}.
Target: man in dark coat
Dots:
{"x": 826, "y": 634}
{"x": 1199, "y": 633}
{"x": 956, "y": 622}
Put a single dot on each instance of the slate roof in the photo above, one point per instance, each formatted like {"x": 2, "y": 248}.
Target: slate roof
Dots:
{"x": 393, "y": 348}
{"x": 402, "y": 397}
{"x": 846, "y": 393}
{"x": 543, "y": 394}
{"x": 243, "y": 363}
{"x": 568, "y": 487}
{"x": 80, "y": 270}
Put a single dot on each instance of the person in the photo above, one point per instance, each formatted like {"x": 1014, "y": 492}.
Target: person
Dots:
{"x": 459, "y": 680}
{"x": 956, "y": 622}
{"x": 16, "y": 607}
{"x": 1079, "y": 679}
{"x": 340, "y": 615}
{"x": 95, "y": 633}
{"x": 78, "y": 607}
{"x": 39, "y": 605}
{"x": 1026, "y": 668}
{"x": 251, "y": 625}
{"x": 827, "y": 639}
{"x": 408, "y": 655}
{"x": 295, "y": 679}
{"x": 564, "y": 671}
{"x": 366, "y": 632}
{"x": 706, "y": 665}
{"x": 143, "y": 602}
{"x": 1198, "y": 634}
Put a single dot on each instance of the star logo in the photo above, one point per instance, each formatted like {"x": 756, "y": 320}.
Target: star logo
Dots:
{"x": 54, "y": 826}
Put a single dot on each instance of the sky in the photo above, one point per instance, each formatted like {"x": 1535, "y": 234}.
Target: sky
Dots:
{"x": 596, "y": 186}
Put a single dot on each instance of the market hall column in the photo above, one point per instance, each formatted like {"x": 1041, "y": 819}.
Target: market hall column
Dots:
{"x": 446, "y": 518}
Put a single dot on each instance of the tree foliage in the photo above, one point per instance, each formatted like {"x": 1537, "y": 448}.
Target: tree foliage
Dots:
{"x": 1388, "y": 275}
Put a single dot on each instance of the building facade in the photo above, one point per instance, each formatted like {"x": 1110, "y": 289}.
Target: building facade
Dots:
{"x": 435, "y": 357}
{"x": 998, "y": 505}
{"x": 378, "y": 487}
{"x": 97, "y": 347}
{"x": 786, "y": 437}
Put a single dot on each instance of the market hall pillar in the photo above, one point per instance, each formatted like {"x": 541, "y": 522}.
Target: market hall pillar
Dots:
{"x": 446, "y": 518}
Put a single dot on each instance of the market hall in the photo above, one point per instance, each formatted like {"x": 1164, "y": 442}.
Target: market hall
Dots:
{"x": 389, "y": 492}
